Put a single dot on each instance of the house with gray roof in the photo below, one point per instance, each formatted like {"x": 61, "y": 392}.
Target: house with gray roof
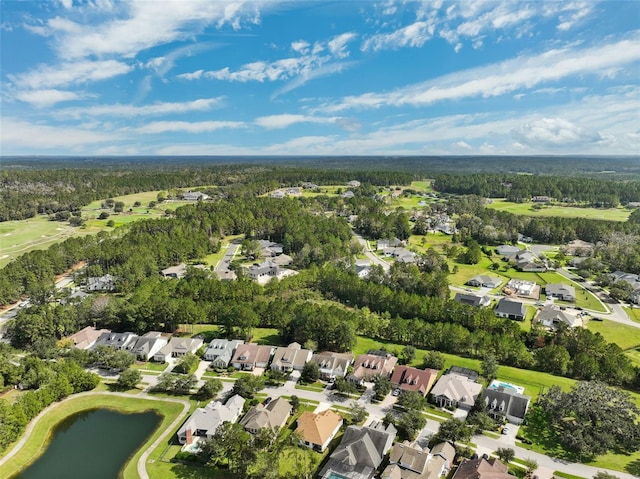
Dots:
{"x": 101, "y": 283}
{"x": 194, "y": 196}
{"x": 564, "y": 292}
{"x": 273, "y": 416}
{"x": 360, "y": 452}
{"x": 220, "y": 352}
{"x": 472, "y": 299}
{"x": 452, "y": 390}
{"x": 505, "y": 404}
{"x": 507, "y": 250}
{"x": 178, "y": 347}
{"x": 551, "y": 316}
{"x": 148, "y": 345}
{"x": 119, "y": 341}
{"x": 410, "y": 461}
{"x": 178, "y": 271}
{"x": 291, "y": 358}
{"x": 332, "y": 365}
{"x": 510, "y": 308}
{"x": 205, "y": 420}
{"x": 87, "y": 337}
{"x": 485, "y": 281}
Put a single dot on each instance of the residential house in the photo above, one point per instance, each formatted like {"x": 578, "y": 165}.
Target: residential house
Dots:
{"x": 541, "y": 199}
{"x": 485, "y": 281}
{"x": 269, "y": 249}
{"x": 360, "y": 452}
{"x": 273, "y": 416}
{"x": 178, "y": 347}
{"x": 291, "y": 358}
{"x": 205, "y": 420}
{"x": 482, "y": 468}
{"x": 119, "y": 341}
{"x": 282, "y": 260}
{"x": 385, "y": 243}
{"x": 505, "y": 404}
{"x": 353, "y": 184}
{"x": 402, "y": 255}
{"x": 563, "y": 292}
{"x": 410, "y": 461}
{"x": 226, "y": 275}
{"x": 578, "y": 247}
{"x": 101, "y": 283}
{"x": 317, "y": 430}
{"x": 472, "y": 299}
{"x": 522, "y": 287}
{"x": 551, "y": 316}
{"x": 412, "y": 379}
{"x": 332, "y": 365}
{"x": 362, "y": 267}
{"x": 507, "y": 249}
{"x": 75, "y": 297}
{"x": 175, "y": 271}
{"x": 220, "y": 352}
{"x": 278, "y": 194}
{"x": 250, "y": 355}
{"x": 452, "y": 390}
{"x": 267, "y": 270}
{"x": 87, "y": 337}
{"x": 148, "y": 345}
{"x": 294, "y": 191}
{"x": 510, "y": 308}
{"x": 633, "y": 280}
{"x": 194, "y": 196}
{"x": 374, "y": 363}
{"x": 347, "y": 194}
{"x": 466, "y": 372}
{"x": 526, "y": 261}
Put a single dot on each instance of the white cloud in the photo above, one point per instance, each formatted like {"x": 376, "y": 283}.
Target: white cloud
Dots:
{"x": 301, "y": 69}
{"x": 188, "y": 127}
{"x": 128, "y": 111}
{"x": 338, "y": 44}
{"x": 142, "y": 24}
{"x": 162, "y": 65}
{"x": 300, "y": 46}
{"x": 554, "y": 132}
{"x": 46, "y": 98}
{"x": 502, "y": 78}
{"x": 414, "y": 35}
{"x": 69, "y": 73}
{"x": 286, "y": 120}
{"x": 17, "y": 133}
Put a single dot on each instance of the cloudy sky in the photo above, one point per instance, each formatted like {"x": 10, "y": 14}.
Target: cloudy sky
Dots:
{"x": 99, "y": 77}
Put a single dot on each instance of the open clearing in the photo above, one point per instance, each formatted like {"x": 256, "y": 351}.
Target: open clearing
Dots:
{"x": 608, "y": 214}
{"x": 621, "y": 334}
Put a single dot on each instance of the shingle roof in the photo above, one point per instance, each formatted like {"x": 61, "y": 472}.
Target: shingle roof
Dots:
{"x": 504, "y": 402}
{"x": 317, "y": 428}
{"x": 457, "y": 388}
{"x": 511, "y": 307}
{"x": 272, "y": 415}
{"x": 413, "y": 379}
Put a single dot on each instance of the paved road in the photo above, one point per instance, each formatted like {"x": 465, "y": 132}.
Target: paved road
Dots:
{"x": 370, "y": 254}
{"x": 232, "y": 250}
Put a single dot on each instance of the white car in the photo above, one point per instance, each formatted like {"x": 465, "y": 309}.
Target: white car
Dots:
{"x": 396, "y": 392}
{"x": 505, "y": 430}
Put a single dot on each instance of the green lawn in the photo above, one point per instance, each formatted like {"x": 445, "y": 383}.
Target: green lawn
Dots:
{"x": 38, "y": 439}
{"x": 150, "y": 366}
{"x": 423, "y": 186}
{"x": 623, "y": 335}
{"x": 633, "y": 313}
{"x": 609, "y": 214}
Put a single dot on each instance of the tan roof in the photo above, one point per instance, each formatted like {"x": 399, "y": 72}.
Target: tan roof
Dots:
{"x": 251, "y": 353}
{"x": 482, "y": 469}
{"x": 413, "y": 379}
{"x": 374, "y": 365}
{"x": 275, "y": 414}
{"x": 317, "y": 428}
{"x": 457, "y": 388}
{"x": 85, "y": 338}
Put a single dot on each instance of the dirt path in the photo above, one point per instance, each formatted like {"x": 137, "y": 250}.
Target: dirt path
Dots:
{"x": 142, "y": 462}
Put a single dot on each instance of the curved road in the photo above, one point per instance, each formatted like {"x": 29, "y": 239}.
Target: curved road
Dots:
{"x": 141, "y": 466}
{"x": 370, "y": 254}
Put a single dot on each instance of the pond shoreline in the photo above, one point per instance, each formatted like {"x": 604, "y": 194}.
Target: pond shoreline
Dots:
{"x": 31, "y": 446}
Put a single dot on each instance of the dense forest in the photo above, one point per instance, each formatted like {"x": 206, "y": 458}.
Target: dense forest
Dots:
{"x": 521, "y": 188}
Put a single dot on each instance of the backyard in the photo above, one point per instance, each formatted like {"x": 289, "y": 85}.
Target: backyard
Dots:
{"x": 608, "y": 214}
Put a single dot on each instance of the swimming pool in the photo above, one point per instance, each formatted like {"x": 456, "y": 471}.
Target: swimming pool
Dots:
{"x": 495, "y": 384}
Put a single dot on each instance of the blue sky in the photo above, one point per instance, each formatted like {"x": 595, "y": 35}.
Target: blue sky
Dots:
{"x": 191, "y": 77}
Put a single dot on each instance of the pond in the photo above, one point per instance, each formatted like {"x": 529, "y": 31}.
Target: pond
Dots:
{"x": 92, "y": 444}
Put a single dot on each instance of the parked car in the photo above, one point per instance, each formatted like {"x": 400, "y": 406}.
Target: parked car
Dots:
{"x": 505, "y": 430}
{"x": 396, "y": 392}
{"x": 267, "y": 400}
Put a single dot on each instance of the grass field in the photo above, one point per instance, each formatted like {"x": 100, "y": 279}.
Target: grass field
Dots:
{"x": 38, "y": 439}
{"x": 18, "y": 237}
{"x": 633, "y": 313}
{"x": 423, "y": 186}
{"x": 621, "y": 334}
{"x": 608, "y": 214}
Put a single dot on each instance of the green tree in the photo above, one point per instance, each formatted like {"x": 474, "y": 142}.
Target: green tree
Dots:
{"x": 129, "y": 378}
{"x": 489, "y": 367}
{"x": 433, "y": 360}
{"x": 210, "y": 389}
{"x": 248, "y": 386}
{"x": 310, "y": 373}
{"x": 412, "y": 401}
{"x": 345, "y": 387}
{"x": 454, "y": 430}
{"x": 409, "y": 424}
{"x": 295, "y": 403}
{"x": 187, "y": 364}
{"x": 505, "y": 454}
{"x": 381, "y": 387}
{"x": 357, "y": 413}
{"x": 408, "y": 354}
{"x": 592, "y": 418}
